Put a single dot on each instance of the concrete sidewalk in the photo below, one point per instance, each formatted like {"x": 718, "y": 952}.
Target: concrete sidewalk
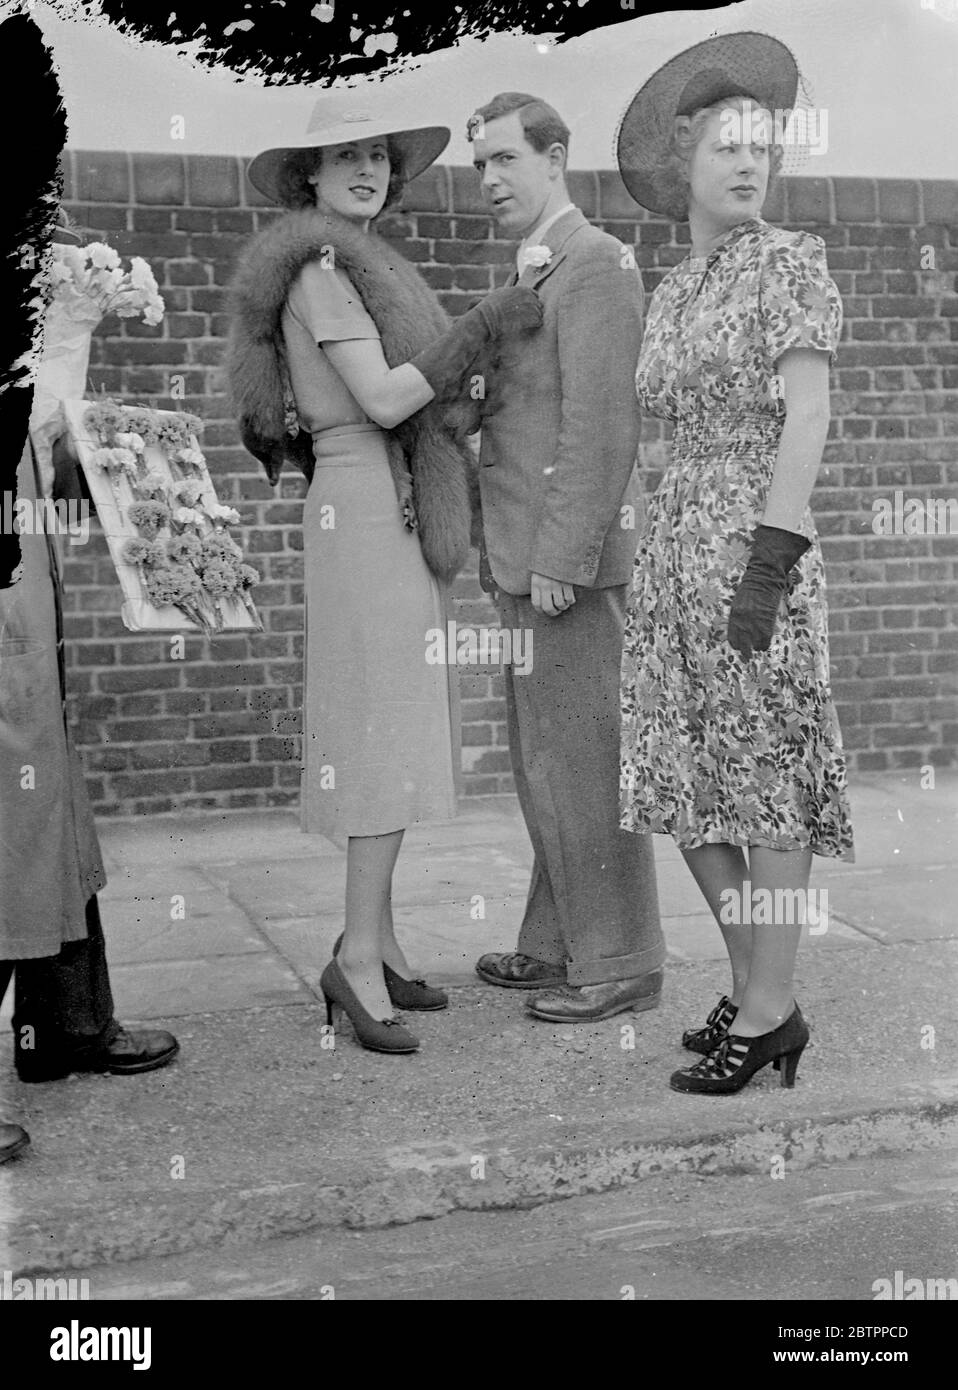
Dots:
{"x": 219, "y": 927}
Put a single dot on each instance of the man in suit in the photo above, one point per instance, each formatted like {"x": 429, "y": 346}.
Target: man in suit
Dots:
{"x": 560, "y": 428}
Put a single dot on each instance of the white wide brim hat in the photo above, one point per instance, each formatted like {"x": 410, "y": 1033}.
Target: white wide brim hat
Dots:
{"x": 332, "y": 124}
{"x": 746, "y": 63}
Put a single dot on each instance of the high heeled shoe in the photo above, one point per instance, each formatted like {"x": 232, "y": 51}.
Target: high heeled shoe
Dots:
{"x": 378, "y": 1034}
{"x": 734, "y": 1060}
{"x": 716, "y": 1026}
{"x": 407, "y": 994}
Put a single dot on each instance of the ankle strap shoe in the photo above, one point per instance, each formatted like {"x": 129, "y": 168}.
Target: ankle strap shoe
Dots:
{"x": 735, "y": 1060}
{"x": 716, "y": 1026}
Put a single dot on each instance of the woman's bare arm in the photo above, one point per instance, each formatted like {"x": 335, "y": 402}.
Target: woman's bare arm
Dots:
{"x": 804, "y": 372}
{"x": 387, "y": 394}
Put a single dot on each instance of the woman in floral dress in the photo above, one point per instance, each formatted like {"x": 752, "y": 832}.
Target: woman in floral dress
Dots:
{"x": 730, "y": 739}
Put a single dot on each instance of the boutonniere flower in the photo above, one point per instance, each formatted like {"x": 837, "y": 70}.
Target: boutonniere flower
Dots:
{"x": 536, "y": 257}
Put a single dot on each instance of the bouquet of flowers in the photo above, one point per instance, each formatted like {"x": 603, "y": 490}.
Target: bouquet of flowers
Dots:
{"x": 88, "y": 283}
{"x": 180, "y": 546}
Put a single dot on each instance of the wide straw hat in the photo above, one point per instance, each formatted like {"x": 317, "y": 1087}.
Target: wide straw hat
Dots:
{"x": 748, "y": 64}
{"x": 338, "y": 124}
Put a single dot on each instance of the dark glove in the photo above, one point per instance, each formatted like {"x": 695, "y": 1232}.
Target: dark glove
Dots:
{"x": 503, "y": 313}
{"x": 755, "y": 603}
{"x": 69, "y": 480}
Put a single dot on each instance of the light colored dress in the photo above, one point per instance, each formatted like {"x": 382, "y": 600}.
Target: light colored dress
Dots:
{"x": 380, "y": 723}
{"x": 716, "y": 748}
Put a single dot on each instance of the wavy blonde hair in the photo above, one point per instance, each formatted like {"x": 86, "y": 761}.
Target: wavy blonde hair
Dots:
{"x": 671, "y": 177}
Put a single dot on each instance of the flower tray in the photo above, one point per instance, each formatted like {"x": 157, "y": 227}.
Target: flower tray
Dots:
{"x": 120, "y": 475}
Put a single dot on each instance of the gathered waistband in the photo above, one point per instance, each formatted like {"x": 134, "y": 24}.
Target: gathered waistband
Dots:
{"x": 710, "y": 427}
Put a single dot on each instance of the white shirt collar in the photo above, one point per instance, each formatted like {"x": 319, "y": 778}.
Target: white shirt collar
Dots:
{"x": 536, "y": 235}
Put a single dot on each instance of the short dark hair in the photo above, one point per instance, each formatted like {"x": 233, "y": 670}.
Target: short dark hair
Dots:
{"x": 541, "y": 123}
{"x": 295, "y": 190}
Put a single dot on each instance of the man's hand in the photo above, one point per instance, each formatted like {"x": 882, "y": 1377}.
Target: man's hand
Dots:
{"x": 551, "y": 596}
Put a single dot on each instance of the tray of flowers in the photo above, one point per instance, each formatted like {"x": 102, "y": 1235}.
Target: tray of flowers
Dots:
{"x": 171, "y": 540}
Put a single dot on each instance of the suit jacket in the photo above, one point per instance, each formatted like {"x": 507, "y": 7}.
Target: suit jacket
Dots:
{"x": 560, "y": 420}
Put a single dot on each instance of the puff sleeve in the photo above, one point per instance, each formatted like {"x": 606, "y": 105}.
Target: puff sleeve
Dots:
{"x": 800, "y": 306}
{"x": 324, "y": 302}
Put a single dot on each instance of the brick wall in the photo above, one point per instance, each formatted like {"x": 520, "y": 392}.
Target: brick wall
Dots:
{"x": 222, "y": 727}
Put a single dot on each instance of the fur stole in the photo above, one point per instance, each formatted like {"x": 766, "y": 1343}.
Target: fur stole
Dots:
{"x": 408, "y": 317}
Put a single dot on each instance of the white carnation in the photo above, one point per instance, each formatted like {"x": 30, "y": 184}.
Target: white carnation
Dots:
{"x": 70, "y": 256}
{"x": 141, "y": 276}
{"x": 102, "y": 256}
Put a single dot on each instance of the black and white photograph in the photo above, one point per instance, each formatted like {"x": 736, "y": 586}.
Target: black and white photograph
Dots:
{"x": 479, "y": 669}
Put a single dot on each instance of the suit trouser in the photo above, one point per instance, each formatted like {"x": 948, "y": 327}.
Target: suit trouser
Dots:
{"x": 592, "y": 903}
{"x": 63, "y": 1003}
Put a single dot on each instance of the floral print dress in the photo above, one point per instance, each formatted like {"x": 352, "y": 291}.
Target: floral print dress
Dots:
{"x": 717, "y": 749}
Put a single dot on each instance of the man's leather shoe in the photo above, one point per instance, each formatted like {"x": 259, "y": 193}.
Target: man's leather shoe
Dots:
{"x": 124, "y": 1055}
{"x": 590, "y": 1003}
{"x": 516, "y": 971}
{"x": 144, "y": 1050}
{"x": 12, "y": 1140}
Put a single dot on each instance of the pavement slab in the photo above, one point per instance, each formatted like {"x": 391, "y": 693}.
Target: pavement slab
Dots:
{"x": 219, "y": 925}
{"x": 262, "y": 1128}
{"x": 825, "y": 1232}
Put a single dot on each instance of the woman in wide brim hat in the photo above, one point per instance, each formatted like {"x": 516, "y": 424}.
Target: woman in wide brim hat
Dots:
{"x": 746, "y": 64}
{"x": 730, "y": 738}
{"x": 339, "y": 356}
{"x": 276, "y": 173}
